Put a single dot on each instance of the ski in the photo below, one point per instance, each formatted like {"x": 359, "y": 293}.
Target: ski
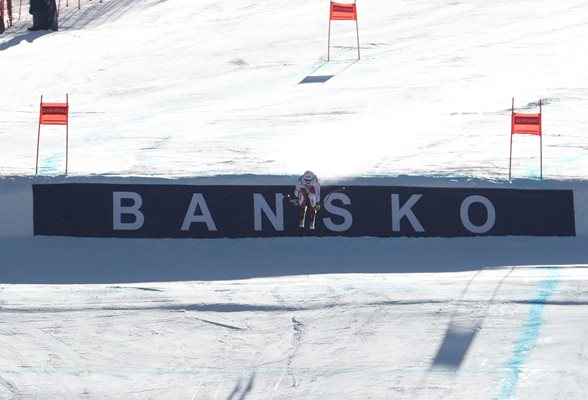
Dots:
{"x": 313, "y": 219}
{"x": 302, "y": 217}
{"x": 295, "y": 202}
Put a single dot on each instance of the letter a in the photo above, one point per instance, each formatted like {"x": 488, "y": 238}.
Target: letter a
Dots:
{"x": 198, "y": 200}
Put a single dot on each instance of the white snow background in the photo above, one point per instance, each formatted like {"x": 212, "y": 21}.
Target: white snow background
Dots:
{"x": 193, "y": 92}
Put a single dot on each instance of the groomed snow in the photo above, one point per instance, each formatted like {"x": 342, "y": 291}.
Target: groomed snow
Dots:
{"x": 208, "y": 92}
{"x": 202, "y": 88}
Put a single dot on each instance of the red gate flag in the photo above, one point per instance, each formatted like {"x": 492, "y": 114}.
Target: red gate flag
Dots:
{"x": 342, "y": 12}
{"x": 345, "y": 12}
{"x": 526, "y": 123}
{"x": 54, "y": 114}
{"x": 529, "y": 124}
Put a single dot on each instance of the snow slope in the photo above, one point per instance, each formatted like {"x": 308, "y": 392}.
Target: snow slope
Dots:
{"x": 503, "y": 333}
{"x": 208, "y": 92}
{"x": 183, "y": 88}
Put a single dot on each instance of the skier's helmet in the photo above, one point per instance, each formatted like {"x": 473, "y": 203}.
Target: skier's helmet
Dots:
{"x": 308, "y": 176}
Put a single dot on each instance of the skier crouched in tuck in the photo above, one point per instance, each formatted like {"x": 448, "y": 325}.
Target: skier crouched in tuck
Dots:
{"x": 307, "y": 193}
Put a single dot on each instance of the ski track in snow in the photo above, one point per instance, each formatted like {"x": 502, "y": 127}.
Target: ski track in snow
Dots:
{"x": 430, "y": 96}
{"x": 347, "y": 332}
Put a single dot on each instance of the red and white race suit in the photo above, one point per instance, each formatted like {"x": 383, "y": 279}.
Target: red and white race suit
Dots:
{"x": 308, "y": 192}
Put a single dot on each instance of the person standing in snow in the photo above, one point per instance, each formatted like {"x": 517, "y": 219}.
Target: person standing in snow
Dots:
{"x": 37, "y": 8}
{"x": 8, "y": 8}
{"x": 307, "y": 194}
{"x": 52, "y": 14}
{"x": 44, "y": 14}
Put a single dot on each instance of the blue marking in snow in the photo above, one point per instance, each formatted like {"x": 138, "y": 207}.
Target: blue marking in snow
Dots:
{"x": 529, "y": 334}
{"x": 50, "y": 164}
{"x": 535, "y": 172}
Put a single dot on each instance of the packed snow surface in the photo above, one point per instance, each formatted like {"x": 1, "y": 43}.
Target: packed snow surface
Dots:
{"x": 201, "y": 88}
{"x": 209, "y": 92}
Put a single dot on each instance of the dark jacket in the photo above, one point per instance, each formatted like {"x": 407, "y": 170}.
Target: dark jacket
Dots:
{"x": 43, "y": 12}
{"x": 37, "y": 7}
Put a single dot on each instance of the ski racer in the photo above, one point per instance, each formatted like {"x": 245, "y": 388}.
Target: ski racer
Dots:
{"x": 308, "y": 193}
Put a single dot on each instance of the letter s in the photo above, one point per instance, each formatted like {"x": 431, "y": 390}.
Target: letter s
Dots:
{"x": 347, "y": 217}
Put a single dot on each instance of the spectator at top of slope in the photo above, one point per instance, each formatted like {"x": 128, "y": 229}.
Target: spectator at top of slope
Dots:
{"x": 44, "y": 14}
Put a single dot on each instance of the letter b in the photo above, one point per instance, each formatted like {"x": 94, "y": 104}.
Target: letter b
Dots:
{"x": 118, "y": 210}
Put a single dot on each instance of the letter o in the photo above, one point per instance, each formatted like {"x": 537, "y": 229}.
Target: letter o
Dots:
{"x": 465, "y": 216}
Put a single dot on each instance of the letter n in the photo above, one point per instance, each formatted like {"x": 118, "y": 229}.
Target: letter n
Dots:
{"x": 261, "y": 206}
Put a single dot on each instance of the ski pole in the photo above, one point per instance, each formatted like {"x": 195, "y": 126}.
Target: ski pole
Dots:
{"x": 332, "y": 192}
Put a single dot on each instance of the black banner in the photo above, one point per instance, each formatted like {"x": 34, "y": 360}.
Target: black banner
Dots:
{"x": 183, "y": 211}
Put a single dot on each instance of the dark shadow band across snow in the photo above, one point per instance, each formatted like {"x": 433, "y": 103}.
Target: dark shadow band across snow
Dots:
{"x": 26, "y": 36}
{"x": 55, "y": 260}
